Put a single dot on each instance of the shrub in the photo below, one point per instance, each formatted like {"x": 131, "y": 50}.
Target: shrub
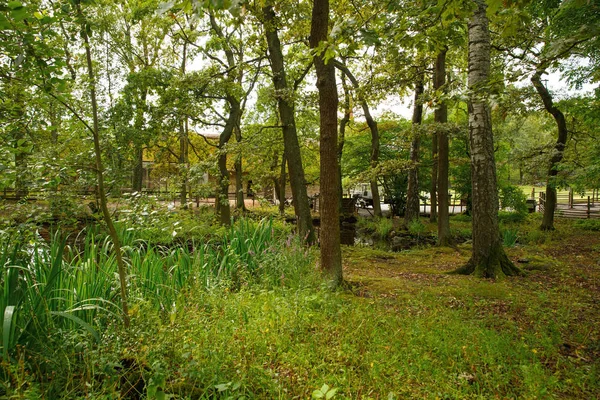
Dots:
{"x": 512, "y": 197}
{"x": 588, "y": 224}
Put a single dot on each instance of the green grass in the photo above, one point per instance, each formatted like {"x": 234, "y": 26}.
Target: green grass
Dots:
{"x": 262, "y": 325}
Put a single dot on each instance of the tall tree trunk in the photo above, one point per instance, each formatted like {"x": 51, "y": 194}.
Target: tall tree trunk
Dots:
{"x": 233, "y": 122}
{"x": 138, "y": 167}
{"x": 239, "y": 183}
{"x": 441, "y": 117}
{"x": 281, "y": 186}
{"x": 183, "y": 144}
{"x": 21, "y": 165}
{"x": 412, "y": 192}
{"x": 331, "y": 255}
{"x": 433, "y": 189}
{"x": 372, "y": 124}
{"x": 138, "y": 146}
{"x": 18, "y": 131}
{"x": 343, "y": 123}
{"x": 100, "y": 169}
{"x": 559, "y": 148}
{"x": 285, "y": 104}
{"x": 222, "y": 200}
{"x": 488, "y": 259}
{"x": 183, "y": 162}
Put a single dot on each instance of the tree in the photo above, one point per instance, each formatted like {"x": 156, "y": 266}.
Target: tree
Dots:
{"x": 95, "y": 129}
{"x": 285, "y": 103}
{"x": 442, "y": 164}
{"x": 412, "y": 192}
{"x": 488, "y": 259}
{"x": 372, "y": 124}
{"x": 331, "y": 255}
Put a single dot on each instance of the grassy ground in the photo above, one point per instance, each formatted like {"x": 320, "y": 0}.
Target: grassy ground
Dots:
{"x": 405, "y": 330}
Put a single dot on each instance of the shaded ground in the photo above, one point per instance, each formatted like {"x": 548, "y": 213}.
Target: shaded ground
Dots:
{"x": 559, "y": 297}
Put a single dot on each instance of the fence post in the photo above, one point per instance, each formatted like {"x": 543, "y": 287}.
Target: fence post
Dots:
{"x": 570, "y": 198}
{"x": 533, "y": 193}
{"x": 588, "y": 208}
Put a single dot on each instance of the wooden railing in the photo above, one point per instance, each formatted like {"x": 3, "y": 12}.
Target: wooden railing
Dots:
{"x": 572, "y": 206}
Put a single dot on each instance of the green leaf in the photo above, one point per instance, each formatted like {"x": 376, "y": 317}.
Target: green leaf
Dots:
{"x": 330, "y": 393}
{"x": 19, "y": 14}
{"x": 7, "y": 327}
{"x": 317, "y": 394}
{"x": 13, "y": 5}
{"x": 80, "y": 322}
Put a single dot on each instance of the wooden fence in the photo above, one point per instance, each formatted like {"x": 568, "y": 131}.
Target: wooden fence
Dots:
{"x": 574, "y": 206}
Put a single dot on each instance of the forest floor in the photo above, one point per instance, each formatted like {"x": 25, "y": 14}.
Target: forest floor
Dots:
{"x": 402, "y": 329}
{"x": 552, "y": 313}
{"x": 405, "y": 330}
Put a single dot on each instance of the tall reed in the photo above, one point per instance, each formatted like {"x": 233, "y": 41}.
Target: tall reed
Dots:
{"x": 60, "y": 286}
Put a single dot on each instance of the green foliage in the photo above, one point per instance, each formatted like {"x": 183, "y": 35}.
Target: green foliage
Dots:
{"x": 589, "y": 224}
{"x": 511, "y": 216}
{"x": 55, "y": 287}
{"x": 379, "y": 227}
{"x": 512, "y": 197}
{"x": 509, "y": 236}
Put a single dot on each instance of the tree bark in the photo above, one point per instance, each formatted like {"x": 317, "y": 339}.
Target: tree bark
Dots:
{"x": 412, "y": 192}
{"x": 559, "y": 148}
{"x": 285, "y": 104}
{"x": 222, "y": 199}
{"x": 281, "y": 186}
{"x": 331, "y": 255}
{"x": 239, "y": 178}
{"x": 138, "y": 148}
{"x": 433, "y": 190}
{"x": 372, "y": 124}
{"x": 183, "y": 144}
{"x": 183, "y": 161}
{"x": 122, "y": 271}
{"x": 441, "y": 117}
{"x": 342, "y": 135}
{"x": 138, "y": 167}
{"x": 488, "y": 259}
{"x": 233, "y": 122}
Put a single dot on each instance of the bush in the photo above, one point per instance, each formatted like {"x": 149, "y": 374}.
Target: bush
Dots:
{"x": 509, "y": 237}
{"x": 512, "y": 197}
{"x": 588, "y": 224}
{"x": 511, "y": 216}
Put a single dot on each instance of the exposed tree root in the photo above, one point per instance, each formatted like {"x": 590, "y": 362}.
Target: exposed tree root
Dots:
{"x": 493, "y": 266}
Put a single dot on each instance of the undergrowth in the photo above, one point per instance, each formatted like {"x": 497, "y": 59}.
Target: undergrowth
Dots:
{"x": 245, "y": 315}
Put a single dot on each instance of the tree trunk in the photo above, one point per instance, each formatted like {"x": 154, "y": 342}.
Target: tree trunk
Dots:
{"x": 412, "y": 192}
{"x": 331, "y": 255}
{"x": 222, "y": 200}
{"x": 138, "y": 148}
{"x": 183, "y": 144}
{"x": 285, "y": 104}
{"x": 557, "y": 155}
{"x": 441, "y": 117}
{"x": 281, "y": 186}
{"x": 433, "y": 195}
{"x": 239, "y": 178}
{"x": 233, "y": 121}
{"x": 100, "y": 170}
{"x": 342, "y": 138}
{"x": 138, "y": 167}
{"x": 183, "y": 162}
{"x": 21, "y": 166}
{"x": 488, "y": 259}
{"x": 372, "y": 124}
